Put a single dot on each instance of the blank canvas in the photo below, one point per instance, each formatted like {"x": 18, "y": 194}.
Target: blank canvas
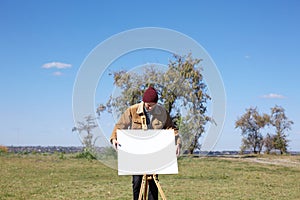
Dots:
{"x": 146, "y": 152}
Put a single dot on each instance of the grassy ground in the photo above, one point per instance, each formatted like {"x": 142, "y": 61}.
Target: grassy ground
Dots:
{"x": 64, "y": 177}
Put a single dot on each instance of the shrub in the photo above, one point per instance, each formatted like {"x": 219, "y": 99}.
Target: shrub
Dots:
{"x": 86, "y": 154}
{"x": 3, "y": 149}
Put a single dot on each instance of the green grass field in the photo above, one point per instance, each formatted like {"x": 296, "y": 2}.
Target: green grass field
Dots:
{"x": 54, "y": 176}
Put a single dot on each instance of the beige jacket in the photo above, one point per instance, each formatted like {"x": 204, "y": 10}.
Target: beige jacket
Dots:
{"x": 132, "y": 118}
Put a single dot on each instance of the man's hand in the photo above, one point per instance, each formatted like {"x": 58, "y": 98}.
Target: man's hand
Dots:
{"x": 115, "y": 144}
{"x": 177, "y": 150}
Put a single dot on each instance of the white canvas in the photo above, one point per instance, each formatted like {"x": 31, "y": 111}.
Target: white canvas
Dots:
{"x": 146, "y": 152}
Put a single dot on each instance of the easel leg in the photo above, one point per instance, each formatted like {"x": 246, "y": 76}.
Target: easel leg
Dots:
{"x": 143, "y": 188}
{"x": 146, "y": 188}
{"x": 159, "y": 187}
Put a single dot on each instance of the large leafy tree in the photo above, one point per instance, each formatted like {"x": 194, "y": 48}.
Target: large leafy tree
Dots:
{"x": 251, "y": 124}
{"x": 181, "y": 89}
{"x": 282, "y": 124}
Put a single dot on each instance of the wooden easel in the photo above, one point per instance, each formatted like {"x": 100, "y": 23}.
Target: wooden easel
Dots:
{"x": 144, "y": 187}
{"x": 147, "y": 178}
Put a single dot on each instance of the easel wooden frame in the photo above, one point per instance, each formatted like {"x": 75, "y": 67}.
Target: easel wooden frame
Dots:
{"x": 147, "y": 178}
{"x": 144, "y": 187}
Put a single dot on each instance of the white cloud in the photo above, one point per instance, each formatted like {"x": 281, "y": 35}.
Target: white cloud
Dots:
{"x": 57, "y": 65}
{"x": 247, "y": 57}
{"x": 273, "y": 96}
{"x": 58, "y": 73}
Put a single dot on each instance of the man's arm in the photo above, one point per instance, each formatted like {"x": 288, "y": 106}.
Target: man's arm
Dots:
{"x": 123, "y": 123}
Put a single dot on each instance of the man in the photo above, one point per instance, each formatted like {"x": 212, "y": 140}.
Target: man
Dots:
{"x": 145, "y": 115}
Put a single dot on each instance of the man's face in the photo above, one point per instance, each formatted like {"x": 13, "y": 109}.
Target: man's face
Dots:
{"x": 150, "y": 106}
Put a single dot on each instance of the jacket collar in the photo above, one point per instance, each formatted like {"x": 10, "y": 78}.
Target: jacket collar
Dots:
{"x": 156, "y": 110}
{"x": 140, "y": 108}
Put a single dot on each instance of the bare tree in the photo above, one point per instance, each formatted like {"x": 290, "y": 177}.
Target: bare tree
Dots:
{"x": 85, "y": 130}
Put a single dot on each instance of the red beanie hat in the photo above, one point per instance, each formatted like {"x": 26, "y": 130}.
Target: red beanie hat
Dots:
{"x": 150, "y": 95}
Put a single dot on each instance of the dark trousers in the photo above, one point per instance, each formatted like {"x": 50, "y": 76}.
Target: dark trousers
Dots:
{"x": 136, "y": 186}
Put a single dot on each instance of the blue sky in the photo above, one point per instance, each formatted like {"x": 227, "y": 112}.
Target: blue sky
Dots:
{"x": 255, "y": 45}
